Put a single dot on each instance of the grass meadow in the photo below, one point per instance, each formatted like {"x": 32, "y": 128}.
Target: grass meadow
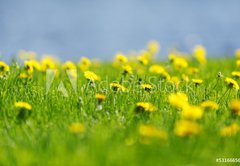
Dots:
{"x": 131, "y": 111}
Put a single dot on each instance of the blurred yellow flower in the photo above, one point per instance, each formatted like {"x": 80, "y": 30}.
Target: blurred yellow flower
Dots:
{"x": 178, "y": 100}
{"x": 121, "y": 58}
{"x": 117, "y": 87}
{"x": 156, "y": 69}
{"x": 143, "y": 60}
{"x": 230, "y": 130}
{"x": 235, "y": 107}
{"x": 23, "y": 105}
{"x": 84, "y": 63}
{"x": 69, "y": 65}
{"x": 175, "y": 80}
{"x": 153, "y": 47}
{"x": 192, "y": 113}
{"x": 145, "y": 106}
{"x": 238, "y": 63}
{"x": 199, "y": 53}
{"x": 127, "y": 69}
{"x": 77, "y": 128}
{"x": 237, "y": 53}
{"x": 91, "y": 76}
{"x": 185, "y": 128}
{"x": 192, "y": 70}
{"x": 232, "y": 83}
{"x": 150, "y": 131}
{"x": 180, "y": 63}
{"x": 209, "y": 105}
{"x": 236, "y": 74}
{"x": 100, "y": 97}
{"x": 197, "y": 81}
{"x": 146, "y": 87}
{"x": 3, "y": 67}
{"x": 48, "y": 62}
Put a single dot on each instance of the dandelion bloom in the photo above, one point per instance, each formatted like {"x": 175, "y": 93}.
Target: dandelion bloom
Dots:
{"x": 91, "y": 76}
{"x": 180, "y": 63}
{"x": 146, "y": 87}
{"x": 23, "y": 105}
{"x": 235, "y": 107}
{"x": 145, "y": 106}
{"x": 192, "y": 70}
{"x": 175, "y": 80}
{"x": 209, "y": 105}
{"x": 192, "y": 113}
{"x": 150, "y": 131}
{"x": 165, "y": 76}
{"x": 77, "y": 128}
{"x": 3, "y": 67}
{"x": 143, "y": 60}
{"x": 48, "y": 62}
{"x": 178, "y": 100}
{"x": 185, "y": 128}
{"x": 238, "y": 63}
{"x": 199, "y": 53}
{"x": 197, "y": 81}
{"x": 100, "y": 97}
{"x": 69, "y": 65}
{"x": 185, "y": 78}
{"x": 153, "y": 47}
{"x": 237, "y": 53}
{"x": 156, "y": 69}
{"x": 84, "y": 63}
{"x": 232, "y": 83}
{"x": 121, "y": 58}
{"x": 127, "y": 69}
{"x": 230, "y": 130}
{"x": 117, "y": 87}
{"x": 236, "y": 74}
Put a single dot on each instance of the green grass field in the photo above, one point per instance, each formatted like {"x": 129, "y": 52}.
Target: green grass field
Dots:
{"x": 51, "y": 128}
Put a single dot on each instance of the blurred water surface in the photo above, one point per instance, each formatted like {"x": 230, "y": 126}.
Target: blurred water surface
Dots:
{"x": 100, "y": 28}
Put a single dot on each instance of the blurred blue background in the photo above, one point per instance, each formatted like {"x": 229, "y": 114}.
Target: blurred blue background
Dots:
{"x": 100, "y": 28}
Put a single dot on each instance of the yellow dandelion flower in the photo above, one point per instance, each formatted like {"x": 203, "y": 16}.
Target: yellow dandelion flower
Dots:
{"x": 165, "y": 76}
{"x": 127, "y": 69}
{"x": 153, "y": 47}
{"x": 236, "y": 74}
{"x": 77, "y": 128}
{"x": 185, "y": 128}
{"x": 69, "y": 65}
{"x": 199, "y": 53}
{"x": 25, "y": 75}
{"x": 238, "y": 63}
{"x": 237, "y": 53}
{"x": 209, "y": 105}
{"x": 230, "y": 130}
{"x": 150, "y": 131}
{"x": 197, "y": 81}
{"x": 23, "y": 105}
{"x": 143, "y": 60}
{"x": 235, "y": 107}
{"x": 175, "y": 80}
{"x": 84, "y": 63}
{"x": 232, "y": 83}
{"x": 146, "y": 87}
{"x": 185, "y": 78}
{"x": 100, "y": 97}
{"x": 156, "y": 69}
{"x": 192, "y": 113}
{"x": 3, "y": 67}
{"x": 121, "y": 58}
{"x": 117, "y": 87}
{"x": 145, "y": 106}
{"x": 180, "y": 63}
{"x": 178, "y": 100}
{"x": 91, "y": 76}
{"x": 172, "y": 57}
{"x": 192, "y": 70}
{"x": 48, "y": 62}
